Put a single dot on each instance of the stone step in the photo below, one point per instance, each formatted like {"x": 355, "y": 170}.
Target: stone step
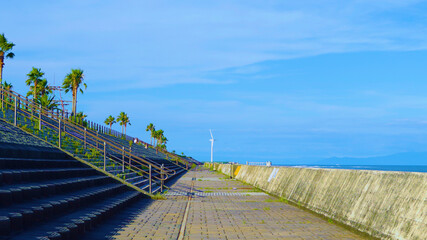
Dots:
{"x": 9, "y": 177}
{"x": 13, "y": 194}
{"x": 25, "y": 216}
{"x": 74, "y": 225}
{"x": 24, "y": 163}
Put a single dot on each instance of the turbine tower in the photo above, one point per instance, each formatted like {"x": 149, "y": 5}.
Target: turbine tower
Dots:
{"x": 212, "y": 142}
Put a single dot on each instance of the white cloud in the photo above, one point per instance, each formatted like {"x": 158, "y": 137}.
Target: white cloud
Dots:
{"x": 135, "y": 39}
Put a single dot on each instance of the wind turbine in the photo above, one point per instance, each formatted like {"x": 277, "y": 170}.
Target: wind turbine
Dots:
{"x": 212, "y": 142}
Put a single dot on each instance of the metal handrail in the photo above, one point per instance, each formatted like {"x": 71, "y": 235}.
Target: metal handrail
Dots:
{"x": 65, "y": 120}
{"x": 31, "y": 109}
{"x": 105, "y": 139}
{"x": 78, "y": 128}
{"x": 118, "y": 150}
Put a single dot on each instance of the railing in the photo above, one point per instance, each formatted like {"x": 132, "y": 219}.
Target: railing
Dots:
{"x": 43, "y": 121}
{"x": 96, "y": 129}
{"x": 268, "y": 163}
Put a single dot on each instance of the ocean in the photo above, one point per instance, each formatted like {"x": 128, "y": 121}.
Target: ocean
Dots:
{"x": 399, "y": 168}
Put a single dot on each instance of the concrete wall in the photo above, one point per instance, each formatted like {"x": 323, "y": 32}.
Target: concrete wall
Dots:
{"x": 388, "y": 205}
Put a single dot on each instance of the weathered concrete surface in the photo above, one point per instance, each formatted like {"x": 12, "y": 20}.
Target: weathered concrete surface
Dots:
{"x": 389, "y": 205}
{"x": 226, "y": 209}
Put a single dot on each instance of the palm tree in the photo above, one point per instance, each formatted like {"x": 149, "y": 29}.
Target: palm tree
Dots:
{"x": 154, "y": 136}
{"x": 163, "y": 141}
{"x": 5, "y": 48}
{"x": 159, "y": 136}
{"x": 80, "y": 117}
{"x": 120, "y": 118}
{"x": 123, "y": 120}
{"x": 110, "y": 120}
{"x": 34, "y": 77}
{"x": 42, "y": 89}
{"x": 7, "y": 86}
{"x": 151, "y": 128}
{"x": 72, "y": 83}
{"x": 126, "y": 121}
{"x": 47, "y": 101}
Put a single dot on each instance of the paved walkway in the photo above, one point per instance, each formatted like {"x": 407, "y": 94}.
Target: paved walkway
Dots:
{"x": 225, "y": 209}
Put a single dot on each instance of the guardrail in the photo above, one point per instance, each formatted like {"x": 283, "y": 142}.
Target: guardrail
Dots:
{"x": 268, "y": 163}
{"x": 55, "y": 128}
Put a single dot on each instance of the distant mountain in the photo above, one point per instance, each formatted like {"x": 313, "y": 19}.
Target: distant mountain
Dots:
{"x": 408, "y": 158}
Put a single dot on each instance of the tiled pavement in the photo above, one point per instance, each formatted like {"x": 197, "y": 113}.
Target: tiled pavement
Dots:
{"x": 226, "y": 209}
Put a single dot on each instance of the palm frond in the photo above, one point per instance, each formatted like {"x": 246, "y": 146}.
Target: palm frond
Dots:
{"x": 10, "y": 55}
{"x": 6, "y": 46}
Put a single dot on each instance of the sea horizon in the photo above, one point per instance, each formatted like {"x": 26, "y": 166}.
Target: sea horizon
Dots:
{"x": 397, "y": 168}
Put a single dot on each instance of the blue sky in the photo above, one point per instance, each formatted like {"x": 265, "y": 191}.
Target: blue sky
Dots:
{"x": 284, "y": 82}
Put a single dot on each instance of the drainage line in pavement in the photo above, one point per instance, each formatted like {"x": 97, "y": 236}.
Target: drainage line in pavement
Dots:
{"x": 184, "y": 220}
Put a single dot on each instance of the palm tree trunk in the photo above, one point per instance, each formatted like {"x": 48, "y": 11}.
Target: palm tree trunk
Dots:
{"x": 110, "y": 127}
{"x": 74, "y": 101}
{"x": 125, "y": 130}
{"x": 35, "y": 90}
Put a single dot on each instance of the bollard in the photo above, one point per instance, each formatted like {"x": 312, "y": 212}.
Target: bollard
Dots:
{"x": 14, "y": 112}
{"x": 59, "y": 134}
{"x": 105, "y": 158}
{"x": 149, "y": 178}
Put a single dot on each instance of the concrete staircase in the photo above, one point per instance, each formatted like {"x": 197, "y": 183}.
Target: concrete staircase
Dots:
{"x": 56, "y": 198}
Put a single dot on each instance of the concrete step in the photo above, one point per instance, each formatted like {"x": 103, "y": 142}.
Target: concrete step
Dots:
{"x": 24, "y": 163}
{"x": 74, "y": 225}
{"x": 9, "y": 177}
{"x": 47, "y": 209}
{"x": 14, "y": 194}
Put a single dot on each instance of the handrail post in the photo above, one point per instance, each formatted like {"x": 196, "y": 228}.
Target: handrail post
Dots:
{"x": 59, "y": 134}
{"x": 130, "y": 156}
{"x": 123, "y": 159}
{"x": 14, "y": 112}
{"x": 84, "y": 144}
{"x": 149, "y": 179}
{"x": 161, "y": 179}
{"x": 96, "y": 140}
{"x": 40, "y": 118}
{"x": 105, "y": 159}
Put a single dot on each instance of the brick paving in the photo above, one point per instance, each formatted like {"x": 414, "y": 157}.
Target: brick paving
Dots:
{"x": 226, "y": 209}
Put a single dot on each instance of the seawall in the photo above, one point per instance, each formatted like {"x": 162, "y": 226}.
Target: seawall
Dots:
{"x": 387, "y": 205}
